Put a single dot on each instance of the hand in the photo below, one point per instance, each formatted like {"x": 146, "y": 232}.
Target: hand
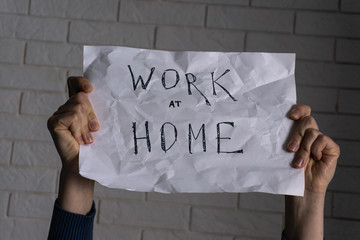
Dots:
{"x": 70, "y": 126}
{"x": 318, "y": 154}
{"x": 315, "y": 152}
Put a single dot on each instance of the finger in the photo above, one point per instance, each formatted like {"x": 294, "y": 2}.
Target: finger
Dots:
{"x": 87, "y": 136}
{"x": 297, "y": 136}
{"x": 299, "y": 111}
{"x": 83, "y": 113}
{"x": 302, "y": 156}
{"x": 67, "y": 121}
{"x": 78, "y": 84}
{"x": 80, "y": 102}
{"x": 93, "y": 122}
{"x": 323, "y": 147}
{"x": 76, "y": 122}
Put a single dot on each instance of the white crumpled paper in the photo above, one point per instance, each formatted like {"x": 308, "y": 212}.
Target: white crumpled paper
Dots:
{"x": 239, "y": 100}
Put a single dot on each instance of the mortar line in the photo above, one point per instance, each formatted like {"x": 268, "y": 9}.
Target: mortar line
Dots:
{"x": 206, "y": 16}
{"x": 339, "y": 6}
{"x": 245, "y": 41}
{"x": 294, "y": 25}
{"x": 8, "y": 205}
{"x": 337, "y": 101}
{"x": 155, "y": 37}
{"x": 118, "y": 12}
{"x": 11, "y": 152}
{"x": 68, "y": 32}
{"x": 29, "y": 6}
{"x": 24, "y": 55}
{"x": 20, "y": 103}
{"x": 141, "y": 234}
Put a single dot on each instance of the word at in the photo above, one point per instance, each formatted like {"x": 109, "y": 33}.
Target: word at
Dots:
{"x": 172, "y": 104}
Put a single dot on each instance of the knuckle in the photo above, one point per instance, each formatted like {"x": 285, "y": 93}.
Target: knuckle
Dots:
{"x": 76, "y": 117}
{"x": 311, "y": 132}
{"x": 322, "y": 137}
{"x": 80, "y": 96}
{"x": 50, "y": 122}
{"x": 309, "y": 121}
{"x": 338, "y": 150}
{"x": 306, "y": 150}
{"x": 91, "y": 115}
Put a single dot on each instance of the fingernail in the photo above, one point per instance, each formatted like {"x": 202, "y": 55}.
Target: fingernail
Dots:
{"x": 93, "y": 125}
{"x": 295, "y": 113}
{"x": 292, "y": 146}
{"x": 298, "y": 162}
{"x": 80, "y": 140}
{"x": 87, "y": 87}
{"x": 89, "y": 137}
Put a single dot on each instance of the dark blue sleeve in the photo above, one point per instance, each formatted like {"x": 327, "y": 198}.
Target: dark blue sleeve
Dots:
{"x": 67, "y": 225}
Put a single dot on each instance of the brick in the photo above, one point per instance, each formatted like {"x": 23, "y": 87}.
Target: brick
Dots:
{"x": 349, "y": 154}
{"x": 199, "y": 39}
{"x": 21, "y": 127}
{"x": 162, "y": 13}
{"x": 350, "y": 6}
{"x": 35, "y": 154}
{"x": 250, "y": 19}
{"x": 327, "y": 24}
{"x": 83, "y": 9}
{"x": 304, "y": 47}
{"x": 209, "y": 199}
{"x": 327, "y": 74}
{"x": 25, "y": 27}
{"x": 116, "y": 34}
{"x": 5, "y": 151}
{"x": 75, "y": 72}
{"x": 31, "y": 205}
{"x": 319, "y": 99}
{"x": 262, "y": 202}
{"x": 177, "y": 235}
{"x": 349, "y": 101}
{"x": 341, "y": 229}
{"x": 39, "y": 103}
{"x": 63, "y": 55}
{"x": 37, "y": 78}
{"x": 27, "y": 179}
{"x": 10, "y": 6}
{"x": 347, "y": 205}
{"x": 346, "y": 179}
{"x": 346, "y": 51}
{"x": 144, "y": 214}
{"x": 297, "y": 4}
{"x": 223, "y": 2}
{"x": 236, "y": 222}
{"x": 4, "y": 199}
{"x": 10, "y": 101}
{"x": 23, "y": 229}
{"x": 339, "y": 126}
{"x": 105, "y": 192}
{"x": 118, "y": 232}
{"x": 11, "y": 51}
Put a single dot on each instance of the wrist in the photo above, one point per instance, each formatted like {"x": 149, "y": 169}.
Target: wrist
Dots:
{"x": 75, "y": 192}
{"x": 304, "y": 216}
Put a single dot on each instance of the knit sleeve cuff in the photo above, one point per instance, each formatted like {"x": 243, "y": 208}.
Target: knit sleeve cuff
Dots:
{"x": 68, "y": 225}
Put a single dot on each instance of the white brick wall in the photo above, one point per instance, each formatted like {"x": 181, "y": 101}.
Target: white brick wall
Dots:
{"x": 41, "y": 44}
